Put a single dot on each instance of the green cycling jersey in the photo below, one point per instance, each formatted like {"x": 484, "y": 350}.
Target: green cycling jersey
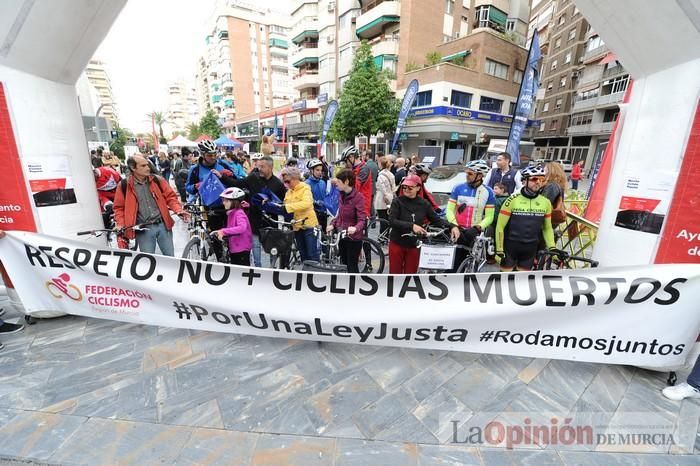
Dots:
{"x": 523, "y": 219}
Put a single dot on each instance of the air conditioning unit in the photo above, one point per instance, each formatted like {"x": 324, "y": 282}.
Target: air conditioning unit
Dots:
{"x": 330, "y": 39}
{"x": 331, "y": 6}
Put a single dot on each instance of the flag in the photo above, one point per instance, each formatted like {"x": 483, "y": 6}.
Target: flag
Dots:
{"x": 274, "y": 130}
{"x": 155, "y": 135}
{"x": 526, "y": 99}
{"x": 331, "y": 109}
{"x": 408, "y": 98}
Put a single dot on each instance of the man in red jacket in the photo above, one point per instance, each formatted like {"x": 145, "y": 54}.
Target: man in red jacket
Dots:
{"x": 363, "y": 175}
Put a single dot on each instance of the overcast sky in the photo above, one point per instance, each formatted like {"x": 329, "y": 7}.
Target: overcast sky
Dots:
{"x": 151, "y": 44}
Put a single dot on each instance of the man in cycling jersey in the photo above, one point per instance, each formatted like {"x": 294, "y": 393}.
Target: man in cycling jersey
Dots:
{"x": 318, "y": 189}
{"x": 527, "y": 216}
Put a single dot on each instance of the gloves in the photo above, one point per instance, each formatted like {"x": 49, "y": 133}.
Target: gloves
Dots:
{"x": 197, "y": 185}
{"x": 499, "y": 257}
{"x": 226, "y": 172}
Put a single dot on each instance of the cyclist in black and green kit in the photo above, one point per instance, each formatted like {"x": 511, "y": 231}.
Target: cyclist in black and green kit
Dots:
{"x": 524, "y": 217}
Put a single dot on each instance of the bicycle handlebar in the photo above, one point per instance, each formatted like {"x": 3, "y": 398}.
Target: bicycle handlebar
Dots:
{"x": 120, "y": 231}
{"x": 282, "y": 222}
{"x": 565, "y": 256}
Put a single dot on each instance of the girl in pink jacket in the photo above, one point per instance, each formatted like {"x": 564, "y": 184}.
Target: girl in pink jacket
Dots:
{"x": 240, "y": 235}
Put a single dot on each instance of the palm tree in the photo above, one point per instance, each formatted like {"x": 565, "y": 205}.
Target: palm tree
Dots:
{"x": 159, "y": 120}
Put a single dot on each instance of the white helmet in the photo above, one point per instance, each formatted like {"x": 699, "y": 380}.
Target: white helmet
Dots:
{"x": 207, "y": 146}
{"x": 256, "y": 156}
{"x": 349, "y": 151}
{"x": 313, "y": 163}
{"x": 534, "y": 170}
{"x": 478, "y": 166}
{"x": 235, "y": 194}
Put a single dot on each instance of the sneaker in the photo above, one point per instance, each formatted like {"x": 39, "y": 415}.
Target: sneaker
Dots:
{"x": 10, "y": 328}
{"x": 680, "y": 392}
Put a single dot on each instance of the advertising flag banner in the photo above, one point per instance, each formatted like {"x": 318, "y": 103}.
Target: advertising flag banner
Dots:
{"x": 331, "y": 110}
{"x": 615, "y": 316}
{"x": 526, "y": 100}
{"x": 406, "y": 104}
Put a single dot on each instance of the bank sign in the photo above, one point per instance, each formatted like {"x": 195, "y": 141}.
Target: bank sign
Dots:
{"x": 463, "y": 114}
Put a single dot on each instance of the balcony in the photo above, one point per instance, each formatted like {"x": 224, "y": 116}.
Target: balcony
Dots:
{"x": 600, "y": 101}
{"x": 372, "y": 22}
{"x": 305, "y": 30}
{"x": 595, "y": 53}
{"x": 388, "y": 46}
{"x": 591, "y": 128}
{"x": 306, "y": 80}
{"x": 223, "y": 35}
{"x": 304, "y": 55}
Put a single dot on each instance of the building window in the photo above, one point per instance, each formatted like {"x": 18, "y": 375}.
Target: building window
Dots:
{"x": 592, "y": 94}
{"x": 482, "y": 16}
{"x": 550, "y": 84}
{"x": 542, "y": 126}
{"x": 489, "y": 104}
{"x": 593, "y": 43}
{"x": 423, "y": 98}
{"x": 517, "y": 76}
{"x": 567, "y": 58}
{"x": 613, "y": 86}
{"x": 553, "y": 125}
{"x": 554, "y": 65}
{"x": 496, "y": 69}
{"x": 572, "y": 34}
{"x": 562, "y": 82}
{"x": 557, "y": 105}
{"x": 510, "y": 25}
{"x": 461, "y": 99}
{"x": 557, "y": 43}
{"x": 545, "y": 108}
{"x": 511, "y": 108}
{"x": 449, "y": 6}
{"x": 446, "y": 38}
{"x": 579, "y": 119}
{"x": 562, "y": 19}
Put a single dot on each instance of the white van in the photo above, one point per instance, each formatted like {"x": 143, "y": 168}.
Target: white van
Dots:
{"x": 496, "y": 146}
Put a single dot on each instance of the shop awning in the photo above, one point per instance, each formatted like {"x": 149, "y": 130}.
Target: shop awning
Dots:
{"x": 461, "y": 54}
{"x": 609, "y": 58}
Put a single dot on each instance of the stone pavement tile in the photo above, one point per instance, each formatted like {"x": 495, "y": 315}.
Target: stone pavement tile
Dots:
{"x": 438, "y": 411}
{"x": 589, "y": 420}
{"x": 686, "y": 430}
{"x": 205, "y": 415}
{"x": 506, "y": 367}
{"x": 217, "y": 447}
{"x": 434, "y": 455}
{"x": 463, "y": 358}
{"x": 432, "y": 378}
{"x": 203, "y": 342}
{"x": 533, "y": 370}
{"x": 475, "y": 385}
{"x": 12, "y": 383}
{"x": 165, "y": 354}
{"x": 273, "y": 450}
{"x": 36, "y": 435}
{"x": 408, "y": 429}
{"x": 613, "y": 459}
{"x": 422, "y": 358}
{"x": 102, "y": 441}
{"x": 336, "y": 405}
{"x": 381, "y": 414}
{"x": 563, "y": 382}
{"x": 64, "y": 331}
{"x": 350, "y": 452}
{"x": 520, "y": 457}
{"x": 608, "y": 387}
{"x": 390, "y": 369}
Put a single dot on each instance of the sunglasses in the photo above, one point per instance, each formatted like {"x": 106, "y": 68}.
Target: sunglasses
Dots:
{"x": 539, "y": 179}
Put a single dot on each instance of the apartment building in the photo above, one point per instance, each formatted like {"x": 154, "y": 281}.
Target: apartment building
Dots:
{"x": 182, "y": 107}
{"x": 98, "y": 77}
{"x": 245, "y": 69}
{"x": 582, "y": 83}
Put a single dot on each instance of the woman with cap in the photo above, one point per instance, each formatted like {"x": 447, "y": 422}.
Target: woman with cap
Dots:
{"x": 408, "y": 214}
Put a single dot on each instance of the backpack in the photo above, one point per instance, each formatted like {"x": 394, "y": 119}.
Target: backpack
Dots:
{"x": 558, "y": 211}
{"x": 124, "y": 182}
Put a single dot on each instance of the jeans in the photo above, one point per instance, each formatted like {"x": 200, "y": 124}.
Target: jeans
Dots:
{"x": 257, "y": 251}
{"x": 146, "y": 240}
{"x": 306, "y": 244}
{"x": 574, "y": 184}
{"x": 694, "y": 376}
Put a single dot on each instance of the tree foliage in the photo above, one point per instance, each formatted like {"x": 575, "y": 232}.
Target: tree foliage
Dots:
{"x": 433, "y": 58}
{"x": 209, "y": 125}
{"x": 193, "y": 131}
{"x": 367, "y": 103}
{"x": 117, "y": 144}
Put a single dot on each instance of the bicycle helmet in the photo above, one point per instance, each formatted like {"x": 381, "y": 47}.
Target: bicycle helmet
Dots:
{"x": 421, "y": 169}
{"x": 207, "y": 146}
{"x": 292, "y": 162}
{"x": 256, "y": 156}
{"x": 235, "y": 194}
{"x": 313, "y": 163}
{"x": 534, "y": 170}
{"x": 478, "y": 166}
{"x": 349, "y": 151}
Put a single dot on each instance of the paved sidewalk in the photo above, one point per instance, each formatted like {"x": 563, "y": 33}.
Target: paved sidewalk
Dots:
{"x": 85, "y": 391}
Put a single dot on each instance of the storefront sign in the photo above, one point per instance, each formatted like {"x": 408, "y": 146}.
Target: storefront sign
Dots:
{"x": 323, "y": 98}
{"x": 248, "y": 129}
{"x": 462, "y": 114}
{"x": 300, "y": 105}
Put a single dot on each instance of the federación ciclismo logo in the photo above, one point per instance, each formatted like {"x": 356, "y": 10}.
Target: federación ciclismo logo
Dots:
{"x": 59, "y": 287}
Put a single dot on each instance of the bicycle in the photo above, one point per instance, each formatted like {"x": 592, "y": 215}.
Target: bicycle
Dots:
{"x": 330, "y": 245}
{"x": 383, "y": 228}
{"x": 201, "y": 243}
{"x": 116, "y": 239}
{"x": 477, "y": 256}
{"x": 557, "y": 259}
{"x": 437, "y": 250}
{"x": 279, "y": 243}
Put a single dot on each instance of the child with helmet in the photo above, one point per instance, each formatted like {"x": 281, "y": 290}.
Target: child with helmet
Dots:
{"x": 240, "y": 235}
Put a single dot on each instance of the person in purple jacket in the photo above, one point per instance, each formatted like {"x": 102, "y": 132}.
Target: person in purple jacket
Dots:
{"x": 240, "y": 235}
{"x": 351, "y": 217}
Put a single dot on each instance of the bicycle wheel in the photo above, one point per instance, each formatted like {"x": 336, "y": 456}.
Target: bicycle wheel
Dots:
{"x": 467, "y": 266}
{"x": 193, "y": 249}
{"x": 377, "y": 260}
{"x": 382, "y": 228}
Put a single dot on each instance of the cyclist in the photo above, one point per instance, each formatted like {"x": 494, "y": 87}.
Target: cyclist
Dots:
{"x": 240, "y": 236}
{"x": 318, "y": 189}
{"x": 523, "y": 218}
{"x": 423, "y": 171}
{"x": 408, "y": 214}
{"x": 351, "y": 217}
{"x": 106, "y": 181}
{"x": 299, "y": 201}
{"x": 471, "y": 205}
{"x": 350, "y": 157}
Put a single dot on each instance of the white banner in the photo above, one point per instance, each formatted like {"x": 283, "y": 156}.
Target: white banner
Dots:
{"x": 642, "y": 315}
